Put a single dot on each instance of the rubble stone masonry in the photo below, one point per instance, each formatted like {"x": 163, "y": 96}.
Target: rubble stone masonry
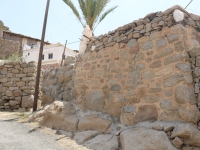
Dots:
{"x": 17, "y": 85}
{"x": 146, "y": 70}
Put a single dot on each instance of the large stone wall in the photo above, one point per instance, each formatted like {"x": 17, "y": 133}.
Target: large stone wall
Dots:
{"x": 148, "y": 78}
{"x": 142, "y": 71}
{"x": 17, "y": 85}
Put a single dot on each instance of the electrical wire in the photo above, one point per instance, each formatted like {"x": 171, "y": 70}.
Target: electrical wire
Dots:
{"x": 194, "y": 11}
{"x": 63, "y": 24}
{"x": 73, "y": 42}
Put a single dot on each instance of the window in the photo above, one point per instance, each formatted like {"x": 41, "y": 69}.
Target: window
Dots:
{"x": 42, "y": 57}
{"x": 51, "y": 56}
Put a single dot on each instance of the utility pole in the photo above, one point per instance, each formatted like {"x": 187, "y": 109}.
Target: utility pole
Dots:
{"x": 63, "y": 55}
{"x": 40, "y": 58}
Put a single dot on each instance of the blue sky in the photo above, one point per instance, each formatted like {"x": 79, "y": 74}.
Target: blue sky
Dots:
{"x": 27, "y": 16}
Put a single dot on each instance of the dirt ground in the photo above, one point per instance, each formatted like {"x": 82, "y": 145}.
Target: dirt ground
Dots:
{"x": 22, "y": 118}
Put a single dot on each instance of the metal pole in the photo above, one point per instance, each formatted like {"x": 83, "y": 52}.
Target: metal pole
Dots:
{"x": 40, "y": 58}
{"x": 63, "y": 55}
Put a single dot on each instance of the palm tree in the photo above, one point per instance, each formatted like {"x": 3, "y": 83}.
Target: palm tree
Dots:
{"x": 91, "y": 10}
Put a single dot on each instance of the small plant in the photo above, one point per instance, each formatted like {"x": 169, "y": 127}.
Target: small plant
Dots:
{"x": 13, "y": 57}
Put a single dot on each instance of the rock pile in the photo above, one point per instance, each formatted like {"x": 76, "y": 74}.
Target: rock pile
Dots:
{"x": 58, "y": 82}
{"x": 151, "y": 23}
{"x": 97, "y": 132}
{"x": 17, "y": 81}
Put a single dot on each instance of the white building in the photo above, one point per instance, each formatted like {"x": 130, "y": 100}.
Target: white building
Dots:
{"x": 52, "y": 54}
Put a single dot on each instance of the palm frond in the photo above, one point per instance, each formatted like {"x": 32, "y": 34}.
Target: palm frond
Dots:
{"x": 105, "y": 14}
{"x": 75, "y": 11}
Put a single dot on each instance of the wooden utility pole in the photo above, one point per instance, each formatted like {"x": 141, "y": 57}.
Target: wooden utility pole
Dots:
{"x": 63, "y": 55}
{"x": 40, "y": 58}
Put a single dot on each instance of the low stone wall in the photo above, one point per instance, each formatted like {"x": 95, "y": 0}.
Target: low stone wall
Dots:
{"x": 58, "y": 83}
{"x": 8, "y": 48}
{"x": 17, "y": 85}
{"x": 151, "y": 23}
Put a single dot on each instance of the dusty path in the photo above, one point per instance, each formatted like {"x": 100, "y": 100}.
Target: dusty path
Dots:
{"x": 16, "y": 135}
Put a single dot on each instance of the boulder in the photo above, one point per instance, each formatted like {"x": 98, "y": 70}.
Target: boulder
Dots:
{"x": 189, "y": 133}
{"x": 145, "y": 139}
{"x": 103, "y": 142}
{"x": 93, "y": 122}
{"x": 58, "y": 115}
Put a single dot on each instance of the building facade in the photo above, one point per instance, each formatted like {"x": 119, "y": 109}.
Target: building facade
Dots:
{"x": 52, "y": 54}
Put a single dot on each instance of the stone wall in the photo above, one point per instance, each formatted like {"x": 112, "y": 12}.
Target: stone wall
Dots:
{"x": 138, "y": 83}
{"x": 8, "y": 48}
{"x": 142, "y": 71}
{"x": 17, "y": 84}
{"x": 58, "y": 83}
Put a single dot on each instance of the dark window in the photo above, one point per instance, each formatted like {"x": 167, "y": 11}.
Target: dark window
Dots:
{"x": 51, "y": 56}
{"x": 42, "y": 57}
{"x": 28, "y": 54}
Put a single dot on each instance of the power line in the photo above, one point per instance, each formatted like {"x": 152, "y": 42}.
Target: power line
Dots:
{"x": 63, "y": 24}
{"x": 188, "y": 4}
{"x": 194, "y": 11}
{"x": 73, "y": 42}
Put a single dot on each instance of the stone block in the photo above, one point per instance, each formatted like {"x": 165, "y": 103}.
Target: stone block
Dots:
{"x": 115, "y": 87}
{"x": 17, "y": 93}
{"x": 81, "y": 137}
{"x": 146, "y": 113}
{"x": 148, "y": 75}
{"x": 129, "y": 109}
{"x": 185, "y": 94}
{"x": 198, "y": 61}
{"x": 133, "y": 139}
{"x": 103, "y": 142}
{"x": 147, "y": 45}
{"x": 155, "y": 64}
{"x": 172, "y": 37}
{"x": 177, "y": 142}
{"x": 93, "y": 122}
{"x": 173, "y": 80}
{"x": 27, "y": 101}
{"x": 175, "y": 58}
{"x": 161, "y": 43}
{"x": 29, "y": 70}
{"x": 14, "y": 103}
{"x": 165, "y": 104}
{"x": 163, "y": 53}
{"x": 95, "y": 100}
{"x": 183, "y": 67}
